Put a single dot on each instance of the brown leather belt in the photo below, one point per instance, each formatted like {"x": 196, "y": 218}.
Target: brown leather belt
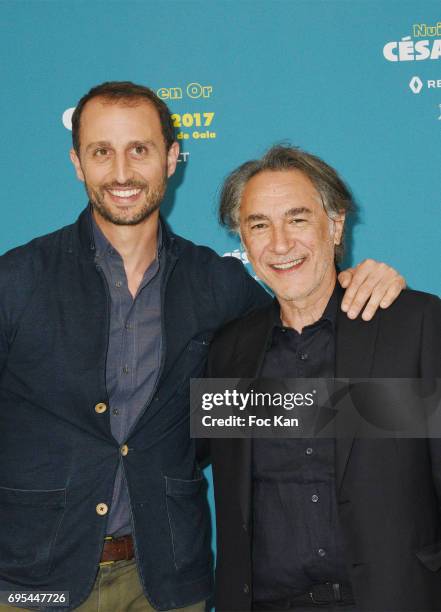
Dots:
{"x": 117, "y": 549}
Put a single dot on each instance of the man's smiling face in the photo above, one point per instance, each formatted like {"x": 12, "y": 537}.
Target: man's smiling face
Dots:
{"x": 288, "y": 235}
{"x": 123, "y": 159}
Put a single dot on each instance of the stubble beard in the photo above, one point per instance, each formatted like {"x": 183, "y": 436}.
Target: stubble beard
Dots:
{"x": 152, "y": 202}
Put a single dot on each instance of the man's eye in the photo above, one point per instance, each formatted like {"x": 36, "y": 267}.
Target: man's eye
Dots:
{"x": 298, "y": 221}
{"x": 101, "y": 152}
{"x": 258, "y": 226}
{"x": 140, "y": 150}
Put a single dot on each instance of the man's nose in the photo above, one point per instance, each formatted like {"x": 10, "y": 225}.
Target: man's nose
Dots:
{"x": 281, "y": 241}
{"x": 121, "y": 168}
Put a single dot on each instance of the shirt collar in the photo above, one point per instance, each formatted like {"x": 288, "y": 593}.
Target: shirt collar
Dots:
{"x": 103, "y": 246}
{"x": 329, "y": 314}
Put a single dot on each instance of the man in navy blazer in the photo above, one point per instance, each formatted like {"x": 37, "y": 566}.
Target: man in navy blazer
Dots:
{"x": 333, "y": 524}
{"x": 102, "y": 325}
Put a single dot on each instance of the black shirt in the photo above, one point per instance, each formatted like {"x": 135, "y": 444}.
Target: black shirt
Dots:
{"x": 296, "y": 535}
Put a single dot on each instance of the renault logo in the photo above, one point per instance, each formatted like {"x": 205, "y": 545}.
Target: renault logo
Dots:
{"x": 416, "y": 84}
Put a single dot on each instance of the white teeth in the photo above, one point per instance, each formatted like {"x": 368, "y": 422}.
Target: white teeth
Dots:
{"x": 287, "y": 265}
{"x": 127, "y": 193}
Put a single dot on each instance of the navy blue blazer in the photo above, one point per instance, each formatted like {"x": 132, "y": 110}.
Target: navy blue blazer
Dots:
{"x": 58, "y": 458}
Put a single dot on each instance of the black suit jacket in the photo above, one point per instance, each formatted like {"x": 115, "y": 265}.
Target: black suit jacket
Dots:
{"x": 387, "y": 489}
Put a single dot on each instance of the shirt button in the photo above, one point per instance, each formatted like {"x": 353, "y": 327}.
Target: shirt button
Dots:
{"x": 118, "y": 284}
{"x": 100, "y": 408}
{"x": 102, "y": 509}
{"x": 129, "y": 326}
{"x": 309, "y": 451}
{"x": 314, "y": 498}
{"x": 303, "y": 356}
{"x": 245, "y": 527}
{"x": 321, "y": 552}
{"x": 124, "y": 450}
{"x": 115, "y": 411}
{"x": 126, "y": 369}
{"x": 246, "y": 589}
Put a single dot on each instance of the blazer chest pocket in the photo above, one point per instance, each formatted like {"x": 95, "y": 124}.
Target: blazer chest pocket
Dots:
{"x": 189, "y": 520}
{"x": 29, "y": 524}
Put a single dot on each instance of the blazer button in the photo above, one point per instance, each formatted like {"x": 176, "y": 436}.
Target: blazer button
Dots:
{"x": 102, "y": 509}
{"x": 124, "y": 450}
{"x": 246, "y": 589}
{"x": 100, "y": 408}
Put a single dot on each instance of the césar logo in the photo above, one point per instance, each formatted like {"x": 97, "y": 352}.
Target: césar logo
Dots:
{"x": 408, "y": 50}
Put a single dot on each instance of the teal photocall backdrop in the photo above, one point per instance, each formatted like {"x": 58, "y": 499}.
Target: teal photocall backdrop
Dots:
{"x": 357, "y": 82}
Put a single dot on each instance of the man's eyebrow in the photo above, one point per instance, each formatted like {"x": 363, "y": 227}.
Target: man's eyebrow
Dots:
{"x": 98, "y": 144}
{"x": 256, "y": 217}
{"x": 300, "y": 210}
{"x": 106, "y": 144}
{"x": 148, "y": 143}
{"x": 292, "y": 212}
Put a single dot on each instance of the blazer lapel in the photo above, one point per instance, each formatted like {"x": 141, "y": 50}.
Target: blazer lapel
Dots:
{"x": 355, "y": 346}
{"x": 247, "y": 363}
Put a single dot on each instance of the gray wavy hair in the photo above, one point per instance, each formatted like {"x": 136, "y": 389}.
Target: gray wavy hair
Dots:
{"x": 334, "y": 193}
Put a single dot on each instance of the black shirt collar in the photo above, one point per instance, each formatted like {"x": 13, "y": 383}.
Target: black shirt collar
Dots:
{"x": 329, "y": 314}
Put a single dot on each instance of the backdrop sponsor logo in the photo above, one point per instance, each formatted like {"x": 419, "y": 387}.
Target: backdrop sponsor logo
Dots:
{"x": 427, "y": 45}
{"x": 417, "y": 85}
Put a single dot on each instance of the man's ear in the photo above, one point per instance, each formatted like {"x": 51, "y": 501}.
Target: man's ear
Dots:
{"x": 76, "y": 162}
{"x": 172, "y": 159}
{"x": 339, "y": 224}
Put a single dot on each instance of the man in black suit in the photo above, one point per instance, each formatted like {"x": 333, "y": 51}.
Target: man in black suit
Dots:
{"x": 336, "y": 524}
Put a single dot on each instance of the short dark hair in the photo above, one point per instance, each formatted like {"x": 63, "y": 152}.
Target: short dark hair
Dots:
{"x": 125, "y": 92}
{"x": 334, "y": 193}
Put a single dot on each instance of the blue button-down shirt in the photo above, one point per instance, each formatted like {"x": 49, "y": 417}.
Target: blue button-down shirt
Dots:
{"x": 133, "y": 356}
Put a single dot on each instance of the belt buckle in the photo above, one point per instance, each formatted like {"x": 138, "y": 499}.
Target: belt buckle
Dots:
{"x": 336, "y": 592}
